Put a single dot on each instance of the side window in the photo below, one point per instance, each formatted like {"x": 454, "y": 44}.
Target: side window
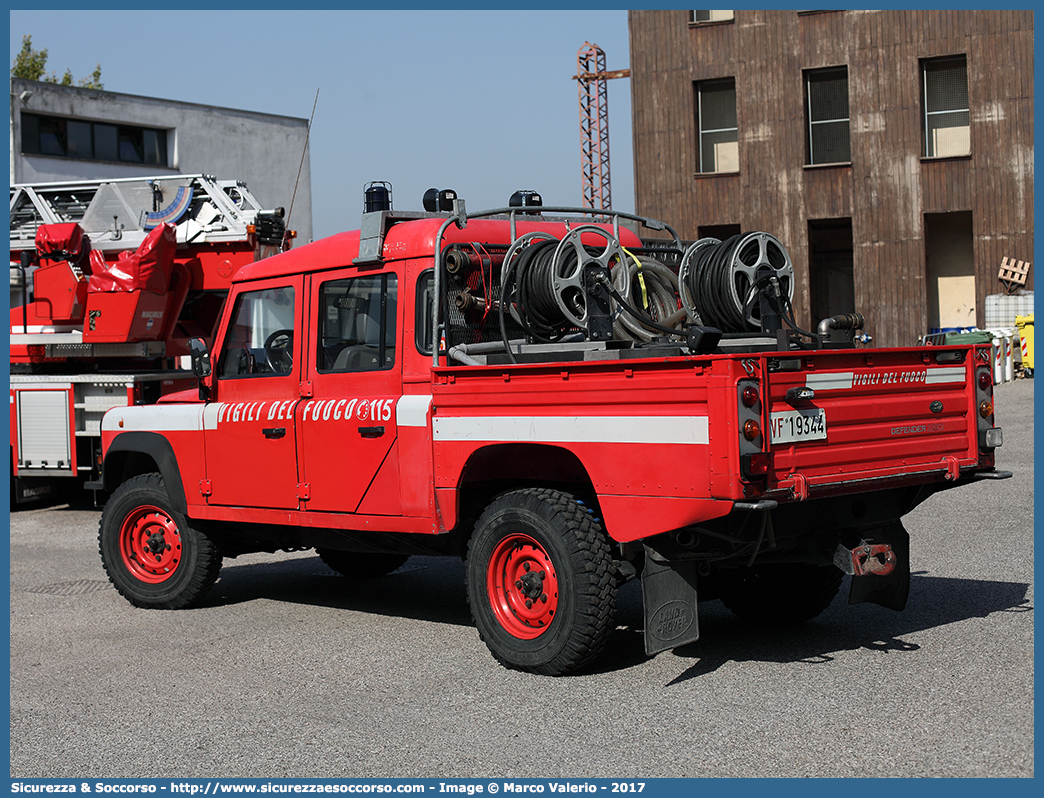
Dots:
{"x": 424, "y": 304}
{"x": 260, "y": 339}
{"x": 357, "y": 324}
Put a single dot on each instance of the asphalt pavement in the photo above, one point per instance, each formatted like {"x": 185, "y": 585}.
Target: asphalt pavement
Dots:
{"x": 289, "y": 670}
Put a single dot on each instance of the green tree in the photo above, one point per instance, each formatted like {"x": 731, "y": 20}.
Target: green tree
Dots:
{"x": 31, "y": 64}
{"x": 94, "y": 81}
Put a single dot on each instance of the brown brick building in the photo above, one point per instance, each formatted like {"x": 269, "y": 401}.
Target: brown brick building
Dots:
{"x": 890, "y": 151}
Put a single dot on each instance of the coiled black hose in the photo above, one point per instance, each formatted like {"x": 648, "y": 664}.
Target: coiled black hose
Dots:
{"x": 717, "y": 286}
{"x": 719, "y": 280}
{"x": 645, "y": 299}
{"x": 535, "y": 306}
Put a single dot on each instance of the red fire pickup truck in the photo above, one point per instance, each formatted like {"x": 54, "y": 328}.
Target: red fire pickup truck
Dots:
{"x": 558, "y": 401}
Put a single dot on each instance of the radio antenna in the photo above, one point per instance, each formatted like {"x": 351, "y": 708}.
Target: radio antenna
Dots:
{"x": 308, "y": 133}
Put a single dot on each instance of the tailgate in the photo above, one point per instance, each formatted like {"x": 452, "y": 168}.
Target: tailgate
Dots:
{"x": 837, "y": 418}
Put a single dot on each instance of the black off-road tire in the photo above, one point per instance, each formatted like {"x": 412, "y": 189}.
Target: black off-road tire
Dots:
{"x": 544, "y": 547}
{"x": 782, "y": 594}
{"x": 153, "y": 556}
{"x": 357, "y": 565}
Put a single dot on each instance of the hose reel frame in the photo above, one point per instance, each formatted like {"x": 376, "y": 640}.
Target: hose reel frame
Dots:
{"x": 570, "y": 281}
{"x": 460, "y": 217}
{"x": 731, "y": 272}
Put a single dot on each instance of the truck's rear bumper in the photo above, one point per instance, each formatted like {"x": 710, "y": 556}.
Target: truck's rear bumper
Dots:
{"x": 994, "y": 474}
{"x": 799, "y": 488}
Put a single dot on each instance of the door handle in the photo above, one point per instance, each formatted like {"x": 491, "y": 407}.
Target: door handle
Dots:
{"x": 371, "y": 432}
{"x": 274, "y": 432}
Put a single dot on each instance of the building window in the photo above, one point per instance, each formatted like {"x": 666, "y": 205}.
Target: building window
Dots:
{"x": 826, "y": 97}
{"x": 716, "y": 123}
{"x": 947, "y": 130}
{"x": 93, "y": 141}
{"x": 710, "y": 16}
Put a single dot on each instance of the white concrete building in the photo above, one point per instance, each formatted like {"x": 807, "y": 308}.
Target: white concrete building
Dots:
{"x": 67, "y": 133}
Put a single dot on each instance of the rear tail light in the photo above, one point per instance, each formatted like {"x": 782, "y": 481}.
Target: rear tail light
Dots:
{"x": 751, "y": 430}
{"x": 990, "y": 437}
{"x": 754, "y": 463}
{"x": 757, "y": 464}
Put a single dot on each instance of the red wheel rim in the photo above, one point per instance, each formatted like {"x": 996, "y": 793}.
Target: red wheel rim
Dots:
{"x": 150, "y": 544}
{"x": 522, "y": 586}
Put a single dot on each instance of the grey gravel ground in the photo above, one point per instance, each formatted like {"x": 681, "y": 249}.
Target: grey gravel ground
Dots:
{"x": 291, "y": 671}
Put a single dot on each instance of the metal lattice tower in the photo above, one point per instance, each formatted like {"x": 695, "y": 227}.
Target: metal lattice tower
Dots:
{"x": 594, "y": 126}
{"x": 591, "y": 77}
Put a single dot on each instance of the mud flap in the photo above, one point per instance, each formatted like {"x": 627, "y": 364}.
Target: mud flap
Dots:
{"x": 33, "y": 489}
{"x": 892, "y": 590}
{"x": 669, "y": 598}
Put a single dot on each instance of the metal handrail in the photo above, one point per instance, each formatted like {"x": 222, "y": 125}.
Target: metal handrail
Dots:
{"x": 460, "y": 217}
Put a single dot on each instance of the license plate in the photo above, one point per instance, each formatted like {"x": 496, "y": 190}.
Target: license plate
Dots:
{"x": 794, "y": 426}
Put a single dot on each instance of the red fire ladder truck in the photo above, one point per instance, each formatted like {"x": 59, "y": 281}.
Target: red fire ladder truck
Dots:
{"x": 109, "y": 280}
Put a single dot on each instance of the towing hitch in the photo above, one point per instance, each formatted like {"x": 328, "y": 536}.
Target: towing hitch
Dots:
{"x": 879, "y": 565}
{"x": 865, "y": 559}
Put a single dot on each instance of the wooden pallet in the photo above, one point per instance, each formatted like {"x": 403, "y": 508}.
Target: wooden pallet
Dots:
{"x": 1013, "y": 273}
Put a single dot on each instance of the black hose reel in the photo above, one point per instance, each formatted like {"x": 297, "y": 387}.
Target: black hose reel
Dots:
{"x": 554, "y": 287}
{"x": 581, "y": 281}
{"x": 558, "y": 287}
{"x": 742, "y": 284}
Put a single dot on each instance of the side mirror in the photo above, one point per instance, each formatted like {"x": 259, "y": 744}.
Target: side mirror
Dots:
{"x": 200, "y": 357}
{"x": 200, "y": 365}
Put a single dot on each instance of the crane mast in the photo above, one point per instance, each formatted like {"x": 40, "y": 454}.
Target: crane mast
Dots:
{"x": 591, "y": 77}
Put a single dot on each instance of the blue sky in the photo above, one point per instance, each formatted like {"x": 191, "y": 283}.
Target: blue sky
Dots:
{"x": 478, "y": 101}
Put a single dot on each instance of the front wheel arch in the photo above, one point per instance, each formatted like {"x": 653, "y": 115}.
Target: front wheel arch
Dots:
{"x": 132, "y": 454}
{"x": 152, "y": 554}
